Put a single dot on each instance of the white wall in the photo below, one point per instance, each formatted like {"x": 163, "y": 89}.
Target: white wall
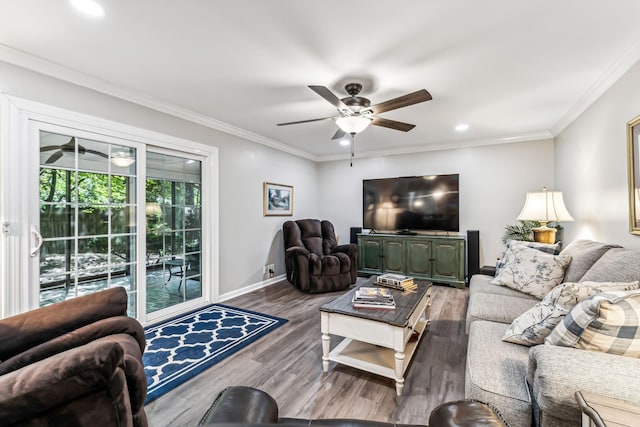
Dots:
{"x": 247, "y": 239}
{"x": 494, "y": 180}
{"x": 591, "y": 165}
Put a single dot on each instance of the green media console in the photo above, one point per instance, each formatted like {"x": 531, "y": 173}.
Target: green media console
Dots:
{"x": 440, "y": 259}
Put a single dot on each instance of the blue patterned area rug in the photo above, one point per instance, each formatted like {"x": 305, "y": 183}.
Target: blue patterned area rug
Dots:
{"x": 181, "y": 348}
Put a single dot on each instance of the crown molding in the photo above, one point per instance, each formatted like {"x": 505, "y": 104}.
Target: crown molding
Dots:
{"x": 447, "y": 145}
{"x": 52, "y": 69}
{"x": 22, "y": 59}
{"x": 622, "y": 65}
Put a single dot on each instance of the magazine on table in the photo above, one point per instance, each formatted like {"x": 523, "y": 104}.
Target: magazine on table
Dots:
{"x": 370, "y": 297}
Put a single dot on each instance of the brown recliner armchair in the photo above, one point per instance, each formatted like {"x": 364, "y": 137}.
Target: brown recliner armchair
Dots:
{"x": 314, "y": 261}
{"x": 239, "y": 406}
{"x": 74, "y": 363}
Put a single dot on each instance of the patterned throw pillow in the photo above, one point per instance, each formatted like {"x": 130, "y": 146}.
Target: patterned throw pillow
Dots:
{"x": 548, "y": 248}
{"x": 535, "y": 324}
{"x": 531, "y": 271}
{"x": 607, "y": 322}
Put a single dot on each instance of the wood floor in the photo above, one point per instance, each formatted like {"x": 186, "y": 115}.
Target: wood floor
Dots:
{"x": 287, "y": 364}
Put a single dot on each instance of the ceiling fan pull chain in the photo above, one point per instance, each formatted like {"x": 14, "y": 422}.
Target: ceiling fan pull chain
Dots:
{"x": 353, "y": 142}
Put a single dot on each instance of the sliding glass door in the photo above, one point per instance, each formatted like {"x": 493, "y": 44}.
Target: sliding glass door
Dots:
{"x": 87, "y": 209}
{"x": 173, "y": 193}
{"x": 88, "y": 204}
{"x": 91, "y": 236}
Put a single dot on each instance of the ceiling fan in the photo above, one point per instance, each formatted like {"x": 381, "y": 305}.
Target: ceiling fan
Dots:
{"x": 356, "y": 112}
{"x": 69, "y": 147}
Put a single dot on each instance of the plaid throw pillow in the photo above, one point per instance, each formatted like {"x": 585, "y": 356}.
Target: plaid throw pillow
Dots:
{"x": 607, "y": 322}
{"x": 535, "y": 324}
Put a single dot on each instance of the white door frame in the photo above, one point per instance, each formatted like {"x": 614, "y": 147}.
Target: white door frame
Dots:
{"x": 18, "y": 153}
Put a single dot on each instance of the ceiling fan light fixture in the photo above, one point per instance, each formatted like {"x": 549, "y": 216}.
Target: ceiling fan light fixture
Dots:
{"x": 122, "y": 160}
{"x": 353, "y": 124}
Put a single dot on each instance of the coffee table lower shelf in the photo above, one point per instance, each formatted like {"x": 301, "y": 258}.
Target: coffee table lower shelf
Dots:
{"x": 373, "y": 358}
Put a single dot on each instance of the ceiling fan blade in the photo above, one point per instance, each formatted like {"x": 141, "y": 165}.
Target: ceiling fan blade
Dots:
{"x": 392, "y": 124}
{"x": 338, "y": 135}
{"x": 329, "y": 96}
{"x": 402, "y": 101}
{"x": 50, "y": 148}
{"x": 54, "y": 157}
{"x": 303, "y": 121}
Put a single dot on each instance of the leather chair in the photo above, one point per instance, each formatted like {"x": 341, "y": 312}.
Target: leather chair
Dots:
{"x": 74, "y": 363}
{"x": 314, "y": 261}
{"x": 240, "y": 406}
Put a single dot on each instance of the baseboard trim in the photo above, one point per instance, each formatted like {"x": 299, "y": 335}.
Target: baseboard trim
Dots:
{"x": 229, "y": 295}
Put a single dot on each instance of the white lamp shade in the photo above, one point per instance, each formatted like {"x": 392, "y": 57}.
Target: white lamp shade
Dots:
{"x": 545, "y": 206}
{"x": 353, "y": 124}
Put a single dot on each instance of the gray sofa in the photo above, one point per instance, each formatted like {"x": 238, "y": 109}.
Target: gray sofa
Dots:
{"x": 536, "y": 385}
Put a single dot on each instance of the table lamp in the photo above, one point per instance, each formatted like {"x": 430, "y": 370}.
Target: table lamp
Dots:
{"x": 544, "y": 207}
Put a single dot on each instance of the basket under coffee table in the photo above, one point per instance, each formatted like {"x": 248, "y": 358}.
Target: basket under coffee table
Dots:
{"x": 377, "y": 341}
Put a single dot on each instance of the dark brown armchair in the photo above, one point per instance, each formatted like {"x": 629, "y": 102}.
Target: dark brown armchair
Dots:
{"x": 314, "y": 261}
{"x": 74, "y": 363}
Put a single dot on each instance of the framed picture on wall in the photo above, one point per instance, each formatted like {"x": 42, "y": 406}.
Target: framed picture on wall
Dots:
{"x": 278, "y": 199}
{"x": 633, "y": 160}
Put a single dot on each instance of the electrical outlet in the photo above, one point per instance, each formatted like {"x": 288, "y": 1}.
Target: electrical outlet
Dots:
{"x": 272, "y": 270}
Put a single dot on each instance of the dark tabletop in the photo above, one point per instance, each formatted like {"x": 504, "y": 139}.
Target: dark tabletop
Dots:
{"x": 406, "y": 303}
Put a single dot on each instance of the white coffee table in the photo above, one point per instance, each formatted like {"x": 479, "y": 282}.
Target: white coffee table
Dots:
{"x": 377, "y": 341}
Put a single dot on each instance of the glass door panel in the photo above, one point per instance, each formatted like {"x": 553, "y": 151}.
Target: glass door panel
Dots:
{"x": 174, "y": 230}
{"x": 87, "y": 217}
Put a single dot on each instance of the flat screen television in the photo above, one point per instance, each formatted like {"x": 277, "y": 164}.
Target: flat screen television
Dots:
{"x": 429, "y": 202}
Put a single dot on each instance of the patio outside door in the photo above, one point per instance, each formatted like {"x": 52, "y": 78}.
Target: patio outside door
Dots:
{"x": 88, "y": 204}
{"x": 173, "y": 212}
{"x": 91, "y": 234}
{"x": 87, "y": 209}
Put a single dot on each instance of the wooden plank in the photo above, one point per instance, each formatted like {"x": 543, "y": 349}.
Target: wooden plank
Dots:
{"x": 287, "y": 365}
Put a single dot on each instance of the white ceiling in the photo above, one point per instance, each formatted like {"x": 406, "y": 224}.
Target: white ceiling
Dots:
{"x": 512, "y": 69}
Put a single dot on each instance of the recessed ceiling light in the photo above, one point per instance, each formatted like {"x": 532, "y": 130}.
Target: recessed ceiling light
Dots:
{"x": 462, "y": 127}
{"x": 88, "y": 7}
{"x": 345, "y": 142}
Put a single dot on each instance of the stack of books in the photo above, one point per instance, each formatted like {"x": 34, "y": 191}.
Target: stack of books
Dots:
{"x": 396, "y": 281}
{"x": 375, "y": 298}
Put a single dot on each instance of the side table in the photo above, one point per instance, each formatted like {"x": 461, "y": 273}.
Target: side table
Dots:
{"x": 489, "y": 270}
{"x": 603, "y": 411}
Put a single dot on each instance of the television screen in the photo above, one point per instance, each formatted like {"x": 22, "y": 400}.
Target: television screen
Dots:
{"x": 428, "y": 202}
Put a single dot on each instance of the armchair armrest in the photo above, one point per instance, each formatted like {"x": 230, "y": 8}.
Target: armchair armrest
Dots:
{"x": 556, "y": 373}
{"x": 349, "y": 248}
{"x": 241, "y": 405}
{"x": 61, "y": 379}
{"x": 81, "y": 336}
{"x": 295, "y": 251}
{"x": 26, "y": 330}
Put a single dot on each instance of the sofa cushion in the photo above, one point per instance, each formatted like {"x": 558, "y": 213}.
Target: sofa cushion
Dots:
{"x": 481, "y": 283}
{"x": 583, "y": 253}
{"x": 607, "y": 322}
{"x": 557, "y": 372}
{"x": 497, "y": 308}
{"x": 531, "y": 271}
{"x": 496, "y": 372}
{"x": 535, "y": 324}
{"x": 616, "y": 265}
